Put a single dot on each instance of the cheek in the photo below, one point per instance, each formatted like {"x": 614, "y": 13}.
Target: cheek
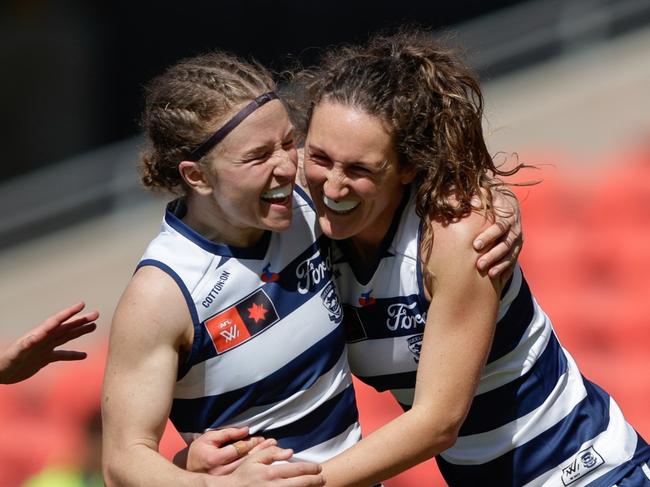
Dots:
{"x": 315, "y": 174}
{"x": 365, "y": 189}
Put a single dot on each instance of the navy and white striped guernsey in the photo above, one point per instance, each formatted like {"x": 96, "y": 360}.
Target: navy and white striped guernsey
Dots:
{"x": 534, "y": 419}
{"x": 269, "y": 346}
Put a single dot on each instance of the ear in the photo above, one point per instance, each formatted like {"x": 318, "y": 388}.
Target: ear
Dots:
{"x": 195, "y": 177}
{"x": 407, "y": 174}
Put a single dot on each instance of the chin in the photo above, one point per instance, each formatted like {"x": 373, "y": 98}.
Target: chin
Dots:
{"x": 279, "y": 225}
{"x": 334, "y": 231}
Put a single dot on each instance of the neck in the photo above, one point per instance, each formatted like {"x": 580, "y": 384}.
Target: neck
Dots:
{"x": 374, "y": 235}
{"x": 367, "y": 244}
{"x": 204, "y": 217}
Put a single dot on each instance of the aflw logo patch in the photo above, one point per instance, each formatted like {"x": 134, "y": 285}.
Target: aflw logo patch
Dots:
{"x": 242, "y": 321}
{"x": 582, "y": 464}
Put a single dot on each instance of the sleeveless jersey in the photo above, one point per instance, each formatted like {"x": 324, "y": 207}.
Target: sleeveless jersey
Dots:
{"x": 269, "y": 345}
{"x": 534, "y": 419}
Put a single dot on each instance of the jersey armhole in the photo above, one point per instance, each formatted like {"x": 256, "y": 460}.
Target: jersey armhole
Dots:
{"x": 184, "y": 367}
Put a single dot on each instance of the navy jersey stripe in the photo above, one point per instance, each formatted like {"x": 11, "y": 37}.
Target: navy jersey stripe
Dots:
{"x": 512, "y": 326}
{"x": 589, "y": 418}
{"x": 391, "y": 317}
{"x": 329, "y": 420}
{"x": 299, "y": 374}
{"x": 404, "y": 380}
{"x": 518, "y": 397}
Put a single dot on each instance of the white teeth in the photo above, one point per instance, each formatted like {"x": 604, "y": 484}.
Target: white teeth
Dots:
{"x": 340, "y": 206}
{"x": 277, "y": 193}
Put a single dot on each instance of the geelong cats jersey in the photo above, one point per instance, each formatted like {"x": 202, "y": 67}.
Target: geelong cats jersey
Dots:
{"x": 534, "y": 419}
{"x": 269, "y": 346}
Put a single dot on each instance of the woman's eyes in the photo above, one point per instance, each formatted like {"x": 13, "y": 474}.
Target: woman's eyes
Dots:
{"x": 319, "y": 159}
{"x": 361, "y": 170}
{"x": 258, "y": 157}
{"x": 262, "y": 156}
{"x": 354, "y": 170}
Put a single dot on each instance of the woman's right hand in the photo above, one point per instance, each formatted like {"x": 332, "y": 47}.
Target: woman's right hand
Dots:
{"x": 239, "y": 460}
{"x": 258, "y": 470}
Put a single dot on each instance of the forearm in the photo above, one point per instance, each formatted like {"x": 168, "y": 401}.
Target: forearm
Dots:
{"x": 412, "y": 438}
{"x": 140, "y": 465}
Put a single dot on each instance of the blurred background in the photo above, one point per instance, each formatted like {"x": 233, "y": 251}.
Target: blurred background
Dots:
{"x": 566, "y": 84}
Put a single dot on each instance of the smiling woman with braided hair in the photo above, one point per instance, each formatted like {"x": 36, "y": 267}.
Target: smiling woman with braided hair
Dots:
{"x": 199, "y": 334}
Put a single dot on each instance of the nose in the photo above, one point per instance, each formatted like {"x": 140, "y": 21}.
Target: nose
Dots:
{"x": 285, "y": 166}
{"x": 335, "y": 186}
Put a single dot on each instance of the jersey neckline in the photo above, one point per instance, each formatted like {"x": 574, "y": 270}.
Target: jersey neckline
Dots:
{"x": 177, "y": 209}
{"x": 365, "y": 276}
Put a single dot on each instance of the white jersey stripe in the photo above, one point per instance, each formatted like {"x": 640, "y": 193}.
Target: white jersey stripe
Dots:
{"x": 520, "y": 360}
{"x": 281, "y": 413}
{"x": 616, "y": 444}
{"x": 483, "y": 447}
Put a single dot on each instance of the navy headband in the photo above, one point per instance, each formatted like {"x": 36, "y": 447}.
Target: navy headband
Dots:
{"x": 228, "y": 127}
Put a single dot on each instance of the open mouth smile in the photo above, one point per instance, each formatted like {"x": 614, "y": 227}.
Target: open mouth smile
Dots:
{"x": 279, "y": 195}
{"x": 341, "y": 207}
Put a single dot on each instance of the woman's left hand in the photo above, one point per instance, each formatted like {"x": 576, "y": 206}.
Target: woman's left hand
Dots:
{"x": 501, "y": 243}
{"x": 220, "y": 452}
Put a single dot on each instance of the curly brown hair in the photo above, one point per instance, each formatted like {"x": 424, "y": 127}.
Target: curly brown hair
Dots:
{"x": 186, "y": 104}
{"x": 433, "y": 104}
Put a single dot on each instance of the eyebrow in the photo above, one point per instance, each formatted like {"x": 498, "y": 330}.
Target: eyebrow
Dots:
{"x": 255, "y": 151}
{"x": 380, "y": 164}
{"x": 263, "y": 148}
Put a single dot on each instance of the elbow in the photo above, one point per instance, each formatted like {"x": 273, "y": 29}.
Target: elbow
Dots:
{"x": 443, "y": 432}
{"x": 449, "y": 429}
{"x": 444, "y": 438}
{"x": 448, "y": 439}
{"x": 111, "y": 471}
{"x": 109, "y": 474}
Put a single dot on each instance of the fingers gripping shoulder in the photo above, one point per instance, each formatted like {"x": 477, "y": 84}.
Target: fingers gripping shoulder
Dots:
{"x": 453, "y": 242}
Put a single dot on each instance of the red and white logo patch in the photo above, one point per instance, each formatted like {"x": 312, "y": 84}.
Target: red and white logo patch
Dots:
{"x": 242, "y": 321}
{"x": 227, "y": 330}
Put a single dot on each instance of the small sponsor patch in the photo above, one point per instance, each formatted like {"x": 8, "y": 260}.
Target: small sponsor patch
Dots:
{"x": 242, "y": 321}
{"x": 583, "y": 462}
{"x": 268, "y": 276}
{"x": 366, "y": 299}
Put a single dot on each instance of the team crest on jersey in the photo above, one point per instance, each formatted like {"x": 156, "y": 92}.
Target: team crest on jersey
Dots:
{"x": 242, "y": 321}
{"x": 268, "y": 276}
{"x": 583, "y": 463}
{"x": 366, "y": 299}
{"x": 331, "y": 301}
{"x": 415, "y": 345}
